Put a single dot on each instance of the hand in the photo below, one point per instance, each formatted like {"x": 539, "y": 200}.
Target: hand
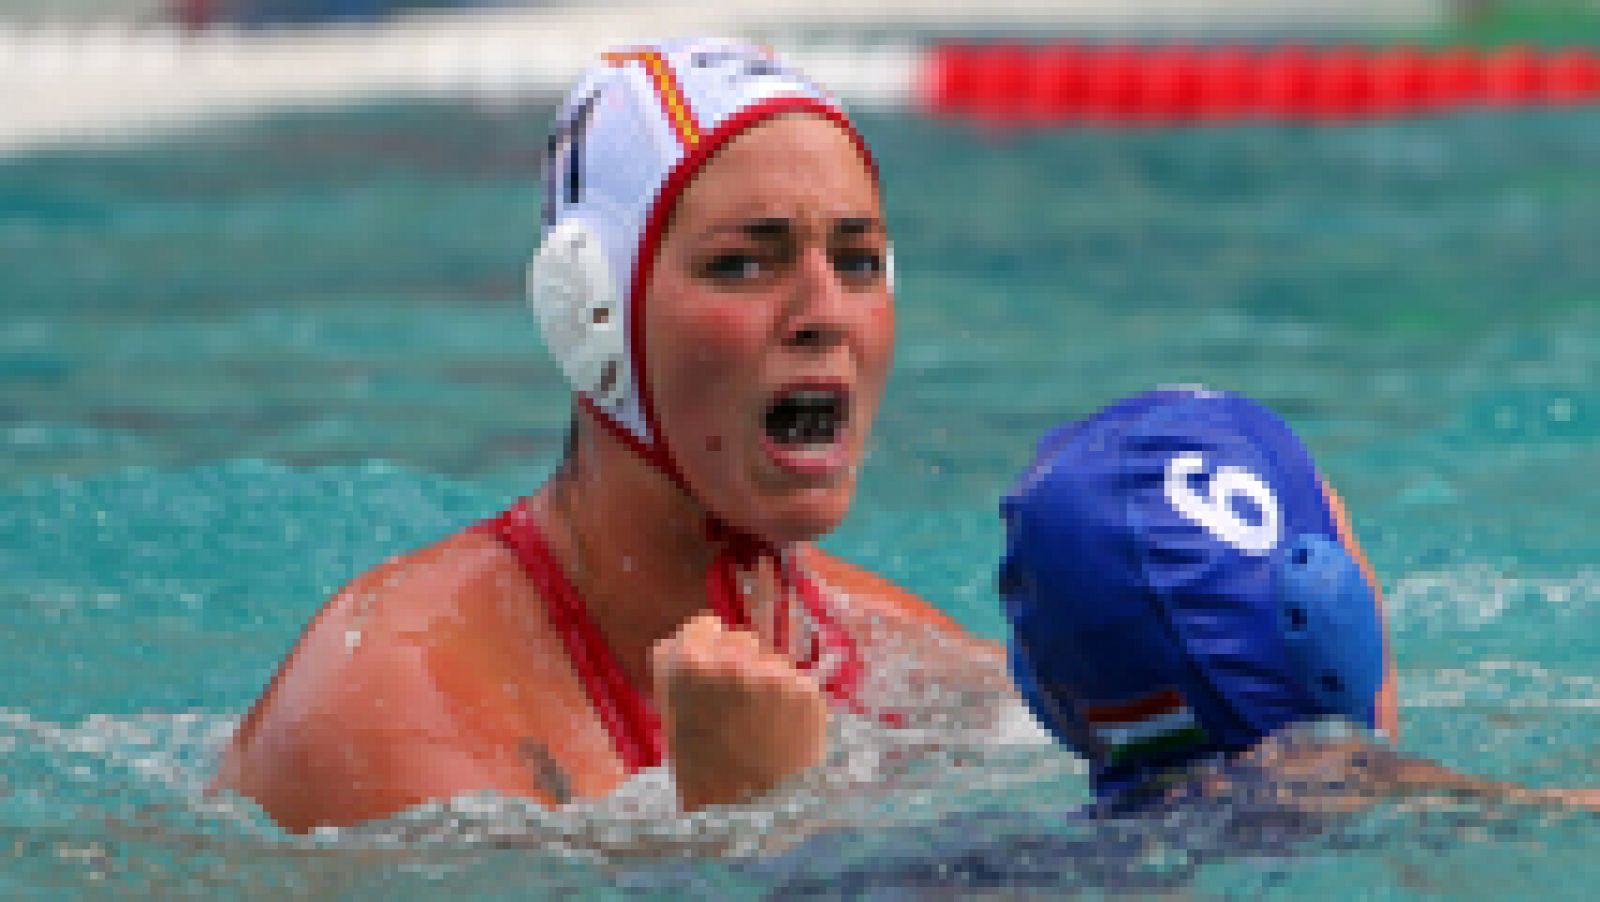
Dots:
{"x": 738, "y": 718}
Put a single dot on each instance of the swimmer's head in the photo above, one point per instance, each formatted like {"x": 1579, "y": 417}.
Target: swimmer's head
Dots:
{"x": 713, "y": 277}
{"x": 1178, "y": 588}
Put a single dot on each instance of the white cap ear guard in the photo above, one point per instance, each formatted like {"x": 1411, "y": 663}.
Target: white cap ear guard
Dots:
{"x": 573, "y": 295}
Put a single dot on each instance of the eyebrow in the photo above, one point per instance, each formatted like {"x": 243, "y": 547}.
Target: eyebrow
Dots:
{"x": 858, "y": 225}
{"x": 766, "y": 229}
{"x": 773, "y": 228}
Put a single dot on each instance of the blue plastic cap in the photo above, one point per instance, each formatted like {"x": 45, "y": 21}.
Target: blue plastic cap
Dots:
{"x": 1158, "y": 554}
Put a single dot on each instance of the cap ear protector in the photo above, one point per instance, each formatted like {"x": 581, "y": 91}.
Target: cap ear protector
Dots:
{"x": 1332, "y": 634}
{"x": 578, "y": 307}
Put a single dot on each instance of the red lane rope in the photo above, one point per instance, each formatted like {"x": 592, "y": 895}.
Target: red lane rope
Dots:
{"x": 1121, "y": 84}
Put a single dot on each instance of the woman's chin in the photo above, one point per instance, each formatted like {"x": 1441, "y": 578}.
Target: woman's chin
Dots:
{"x": 803, "y": 515}
{"x": 780, "y": 504}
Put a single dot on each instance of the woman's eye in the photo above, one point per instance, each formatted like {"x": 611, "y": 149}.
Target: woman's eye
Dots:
{"x": 734, "y": 267}
{"x": 859, "y": 264}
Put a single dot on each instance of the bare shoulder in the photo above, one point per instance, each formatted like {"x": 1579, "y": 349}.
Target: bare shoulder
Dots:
{"x": 921, "y": 663}
{"x": 875, "y": 603}
{"x": 363, "y": 631}
{"x": 414, "y": 682}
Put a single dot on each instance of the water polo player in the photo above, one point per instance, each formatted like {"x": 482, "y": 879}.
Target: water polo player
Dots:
{"x": 714, "y": 279}
{"x": 1181, "y": 585}
{"x": 1190, "y": 612}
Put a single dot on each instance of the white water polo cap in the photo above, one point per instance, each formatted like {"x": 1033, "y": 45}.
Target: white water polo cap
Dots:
{"x": 634, "y": 131}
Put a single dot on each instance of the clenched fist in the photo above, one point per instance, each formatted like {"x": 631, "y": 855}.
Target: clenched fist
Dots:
{"x": 738, "y": 716}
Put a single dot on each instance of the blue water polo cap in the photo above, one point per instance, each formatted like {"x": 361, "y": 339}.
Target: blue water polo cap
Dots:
{"x": 1177, "y": 587}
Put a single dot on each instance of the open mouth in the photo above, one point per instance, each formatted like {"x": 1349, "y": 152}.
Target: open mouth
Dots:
{"x": 807, "y": 415}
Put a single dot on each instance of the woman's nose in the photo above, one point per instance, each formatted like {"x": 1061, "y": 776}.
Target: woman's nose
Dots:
{"x": 818, "y": 305}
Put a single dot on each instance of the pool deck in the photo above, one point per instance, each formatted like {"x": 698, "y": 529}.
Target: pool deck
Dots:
{"x": 110, "y": 80}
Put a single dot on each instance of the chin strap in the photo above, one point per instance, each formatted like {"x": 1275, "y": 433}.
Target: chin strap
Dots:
{"x": 825, "y": 648}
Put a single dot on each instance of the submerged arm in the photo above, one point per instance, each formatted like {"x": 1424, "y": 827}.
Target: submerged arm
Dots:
{"x": 1348, "y": 774}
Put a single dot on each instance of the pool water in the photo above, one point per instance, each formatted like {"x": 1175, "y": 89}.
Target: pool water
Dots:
{"x": 239, "y": 367}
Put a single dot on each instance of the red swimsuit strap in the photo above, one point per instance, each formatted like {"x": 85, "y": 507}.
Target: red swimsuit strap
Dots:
{"x": 627, "y": 713}
{"x": 830, "y": 651}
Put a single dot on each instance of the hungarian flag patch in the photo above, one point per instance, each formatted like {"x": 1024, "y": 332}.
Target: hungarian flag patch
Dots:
{"x": 1156, "y": 724}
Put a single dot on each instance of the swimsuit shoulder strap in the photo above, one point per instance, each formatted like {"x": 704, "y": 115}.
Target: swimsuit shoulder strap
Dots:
{"x": 628, "y": 716}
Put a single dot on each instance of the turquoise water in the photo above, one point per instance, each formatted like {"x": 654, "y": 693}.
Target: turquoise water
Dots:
{"x": 238, "y": 368}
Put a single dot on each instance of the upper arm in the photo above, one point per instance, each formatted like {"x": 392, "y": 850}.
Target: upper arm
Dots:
{"x": 357, "y": 723}
{"x": 356, "y": 751}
